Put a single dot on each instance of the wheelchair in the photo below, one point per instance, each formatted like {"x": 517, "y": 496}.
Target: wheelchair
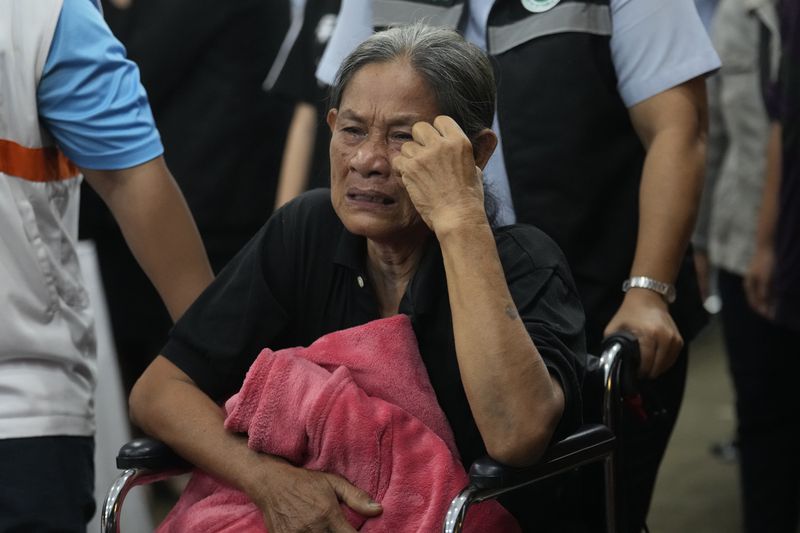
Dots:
{"x": 609, "y": 378}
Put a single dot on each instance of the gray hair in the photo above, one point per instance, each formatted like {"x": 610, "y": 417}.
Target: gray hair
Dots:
{"x": 458, "y": 72}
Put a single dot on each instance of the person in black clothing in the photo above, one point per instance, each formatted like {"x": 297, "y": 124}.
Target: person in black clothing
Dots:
{"x": 203, "y": 65}
{"x": 404, "y": 229}
{"x": 305, "y": 161}
{"x": 773, "y": 281}
{"x": 772, "y": 289}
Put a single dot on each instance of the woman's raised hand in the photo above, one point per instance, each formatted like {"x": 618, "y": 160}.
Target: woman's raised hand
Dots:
{"x": 438, "y": 170}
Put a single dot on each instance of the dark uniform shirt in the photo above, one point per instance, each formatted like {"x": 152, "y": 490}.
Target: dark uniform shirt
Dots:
{"x": 297, "y": 81}
{"x": 304, "y": 275}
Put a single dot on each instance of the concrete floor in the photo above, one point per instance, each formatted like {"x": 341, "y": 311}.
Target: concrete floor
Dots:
{"x": 696, "y": 492}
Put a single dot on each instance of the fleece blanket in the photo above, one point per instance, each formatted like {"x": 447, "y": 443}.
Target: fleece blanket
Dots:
{"x": 357, "y": 403}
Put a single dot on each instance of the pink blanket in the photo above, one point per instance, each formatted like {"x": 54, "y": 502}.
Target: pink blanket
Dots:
{"x": 357, "y": 403}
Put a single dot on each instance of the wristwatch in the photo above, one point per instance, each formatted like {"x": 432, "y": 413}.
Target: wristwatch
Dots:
{"x": 666, "y": 290}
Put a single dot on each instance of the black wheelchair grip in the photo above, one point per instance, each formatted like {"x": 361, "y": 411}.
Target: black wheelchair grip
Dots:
{"x": 589, "y": 443}
{"x": 150, "y": 454}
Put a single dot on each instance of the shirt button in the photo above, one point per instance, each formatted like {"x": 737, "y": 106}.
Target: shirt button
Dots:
{"x": 360, "y": 281}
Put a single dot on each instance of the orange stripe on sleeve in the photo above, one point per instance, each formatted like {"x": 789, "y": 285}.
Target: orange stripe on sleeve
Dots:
{"x": 35, "y": 164}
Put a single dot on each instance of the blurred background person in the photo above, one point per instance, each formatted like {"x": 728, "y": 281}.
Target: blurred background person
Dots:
{"x": 772, "y": 282}
{"x": 305, "y": 162}
{"x": 203, "y": 64}
{"x": 762, "y": 358}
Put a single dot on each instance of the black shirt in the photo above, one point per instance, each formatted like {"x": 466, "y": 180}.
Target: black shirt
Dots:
{"x": 304, "y": 275}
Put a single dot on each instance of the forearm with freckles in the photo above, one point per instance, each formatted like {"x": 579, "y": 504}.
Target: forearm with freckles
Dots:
{"x": 515, "y": 401}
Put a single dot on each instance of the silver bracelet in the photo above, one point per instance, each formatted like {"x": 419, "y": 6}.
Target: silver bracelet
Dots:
{"x": 666, "y": 290}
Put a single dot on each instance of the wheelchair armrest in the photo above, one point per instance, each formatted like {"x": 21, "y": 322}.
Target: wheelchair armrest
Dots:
{"x": 149, "y": 454}
{"x": 590, "y": 442}
{"x": 143, "y": 461}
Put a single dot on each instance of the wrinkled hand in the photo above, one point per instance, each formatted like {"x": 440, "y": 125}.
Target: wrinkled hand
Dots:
{"x": 645, "y": 314}
{"x": 438, "y": 170}
{"x": 295, "y": 499}
{"x": 758, "y": 282}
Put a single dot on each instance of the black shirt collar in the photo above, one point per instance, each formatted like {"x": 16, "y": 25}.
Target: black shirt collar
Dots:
{"x": 425, "y": 288}
{"x": 351, "y": 251}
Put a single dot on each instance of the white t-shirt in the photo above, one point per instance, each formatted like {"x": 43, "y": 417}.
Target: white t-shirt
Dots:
{"x": 655, "y": 45}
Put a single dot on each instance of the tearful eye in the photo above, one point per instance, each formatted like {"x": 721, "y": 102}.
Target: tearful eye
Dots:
{"x": 350, "y": 135}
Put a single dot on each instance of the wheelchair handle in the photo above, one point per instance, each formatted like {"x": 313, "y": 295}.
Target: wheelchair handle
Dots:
{"x": 628, "y": 346}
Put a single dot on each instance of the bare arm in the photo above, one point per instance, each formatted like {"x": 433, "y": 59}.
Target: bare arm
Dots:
{"x": 515, "y": 401}
{"x": 297, "y": 154}
{"x": 758, "y": 279}
{"x": 673, "y": 128}
{"x": 158, "y": 228}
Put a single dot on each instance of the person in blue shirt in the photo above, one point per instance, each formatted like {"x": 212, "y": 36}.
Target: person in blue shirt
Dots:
{"x": 71, "y": 105}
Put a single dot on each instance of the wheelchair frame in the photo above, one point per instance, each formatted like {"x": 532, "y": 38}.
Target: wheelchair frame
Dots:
{"x": 147, "y": 460}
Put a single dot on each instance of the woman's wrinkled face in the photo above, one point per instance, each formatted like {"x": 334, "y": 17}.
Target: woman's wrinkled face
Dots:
{"x": 379, "y": 106}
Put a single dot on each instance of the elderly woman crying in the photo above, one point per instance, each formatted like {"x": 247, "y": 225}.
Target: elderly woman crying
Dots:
{"x": 403, "y": 230}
